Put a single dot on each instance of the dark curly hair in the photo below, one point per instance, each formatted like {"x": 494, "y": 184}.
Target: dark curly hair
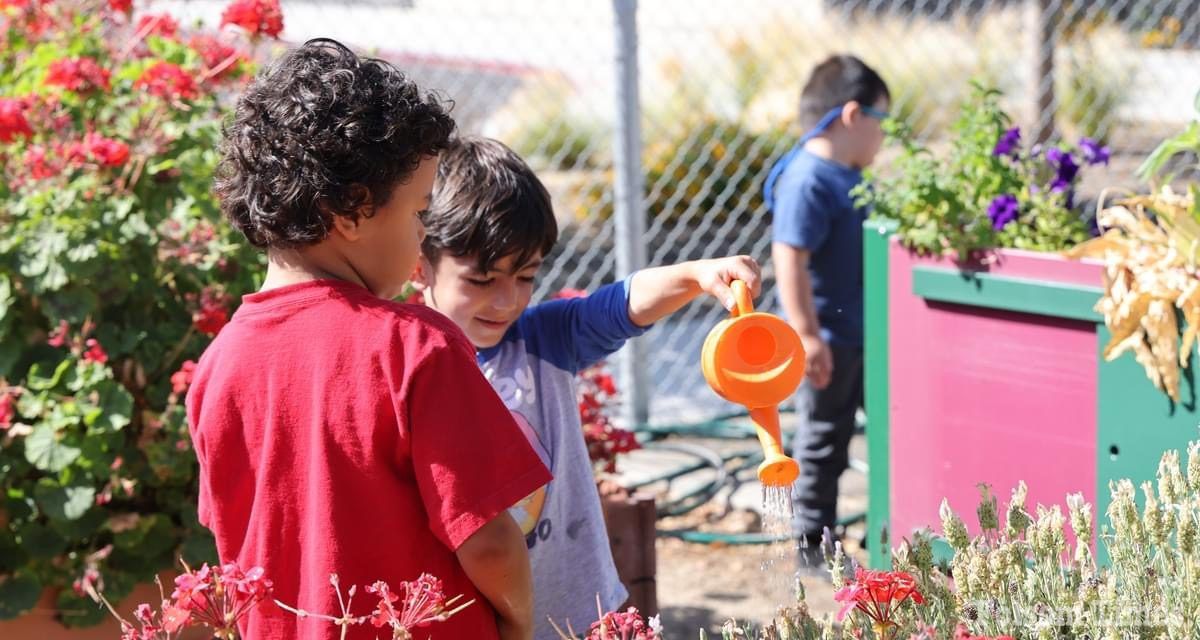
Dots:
{"x": 318, "y": 133}
{"x": 487, "y": 203}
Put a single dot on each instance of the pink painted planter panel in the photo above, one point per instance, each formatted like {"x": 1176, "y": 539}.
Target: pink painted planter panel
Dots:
{"x": 981, "y": 395}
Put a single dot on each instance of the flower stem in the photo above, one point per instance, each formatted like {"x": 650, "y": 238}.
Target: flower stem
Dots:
{"x": 221, "y": 66}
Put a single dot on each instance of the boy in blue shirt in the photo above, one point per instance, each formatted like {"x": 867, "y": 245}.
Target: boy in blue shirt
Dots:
{"x": 489, "y": 226}
{"x": 817, "y": 252}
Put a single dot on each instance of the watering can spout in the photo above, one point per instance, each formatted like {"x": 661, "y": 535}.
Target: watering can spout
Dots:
{"x": 756, "y": 360}
{"x": 777, "y": 469}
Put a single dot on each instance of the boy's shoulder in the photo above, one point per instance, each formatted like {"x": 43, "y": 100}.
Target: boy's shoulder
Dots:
{"x": 808, "y": 170}
{"x": 345, "y": 313}
{"x": 423, "y": 327}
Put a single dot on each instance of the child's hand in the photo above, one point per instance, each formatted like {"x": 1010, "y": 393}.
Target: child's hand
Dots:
{"x": 716, "y": 276}
{"x": 818, "y": 361}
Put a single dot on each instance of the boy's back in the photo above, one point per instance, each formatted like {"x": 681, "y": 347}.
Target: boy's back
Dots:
{"x": 333, "y": 426}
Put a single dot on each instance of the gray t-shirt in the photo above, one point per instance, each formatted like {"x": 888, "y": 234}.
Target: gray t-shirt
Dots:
{"x": 533, "y": 369}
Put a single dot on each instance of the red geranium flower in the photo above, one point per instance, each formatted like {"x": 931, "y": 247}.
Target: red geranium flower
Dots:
{"x": 213, "y": 314}
{"x": 168, "y": 81}
{"x": 216, "y": 54}
{"x": 259, "y": 17}
{"x": 107, "y": 152}
{"x": 160, "y": 24}
{"x": 12, "y": 120}
{"x": 77, "y": 74}
{"x": 877, "y": 594}
{"x": 95, "y": 353}
{"x": 40, "y": 166}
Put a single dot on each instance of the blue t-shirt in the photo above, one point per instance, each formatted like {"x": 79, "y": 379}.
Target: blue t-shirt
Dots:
{"x": 533, "y": 369}
{"x": 813, "y": 210}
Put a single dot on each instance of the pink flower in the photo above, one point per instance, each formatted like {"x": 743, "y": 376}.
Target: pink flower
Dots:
{"x": 174, "y": 618}
{"x": 622, "y": 625}
{"x": 95, "y": 353}
{"x": 961, "y": 633}
{"x": 258, "y": 17}
{"x": 168, "y": 81}
{"x": 77, "y": 74}
{"x": 424, "y": 602}
{"x": 6, "y": 410}
{"x": 72, "y": 152}
{"x": 40, "y": 166}
{"x": 106, "y": 151}
{"x": 89, "y": 580}
{"x": 191, "y": 587}
{"x": 58, "y": 337}
{"x": 121, "y": 6}
{"x": 217, "y": 597}
{"x": 182, "y": 379}
{"x": 12, "y": 120}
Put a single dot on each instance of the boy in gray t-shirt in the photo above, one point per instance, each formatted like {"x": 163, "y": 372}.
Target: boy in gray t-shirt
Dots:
{"x": 489, "y": 226}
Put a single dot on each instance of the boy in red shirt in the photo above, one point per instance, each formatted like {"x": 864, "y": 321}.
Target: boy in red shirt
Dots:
{"x": 338, "y": 431}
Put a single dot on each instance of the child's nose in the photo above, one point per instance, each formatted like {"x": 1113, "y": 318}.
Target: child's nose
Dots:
{"x": 505, "y": 298}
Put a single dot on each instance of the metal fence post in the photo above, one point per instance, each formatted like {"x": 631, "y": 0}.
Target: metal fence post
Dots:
{"x": 1042, "y": 27}
{"x": 629, "y": 207}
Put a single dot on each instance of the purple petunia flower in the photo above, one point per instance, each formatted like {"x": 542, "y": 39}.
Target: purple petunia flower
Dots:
{"x": 1093, "y": 152}
{"x": 1003, "y": 210}
{"x": 1008, "y": 142}
{"x": 1066, "y": 169}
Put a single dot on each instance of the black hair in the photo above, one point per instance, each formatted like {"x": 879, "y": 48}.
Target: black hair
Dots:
{"x": 835, "y": 81}
{"x": 487, "y": 203}
{"x": 322, "y": 132}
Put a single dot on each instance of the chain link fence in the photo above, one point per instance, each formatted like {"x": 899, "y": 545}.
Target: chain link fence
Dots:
{"x": 719, "y": 84}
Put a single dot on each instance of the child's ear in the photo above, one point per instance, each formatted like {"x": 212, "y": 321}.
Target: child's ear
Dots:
{"x": 349, "y": 227}
{"x": 850, "y": 113}
{"x": 420, "y": 276}
{"x": 346, "y": 227}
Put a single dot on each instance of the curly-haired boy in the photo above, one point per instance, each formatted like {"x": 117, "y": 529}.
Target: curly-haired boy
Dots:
{"x": 339, "y": 431}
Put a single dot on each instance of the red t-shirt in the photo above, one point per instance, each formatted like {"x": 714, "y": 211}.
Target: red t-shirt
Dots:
{"x": 341, "y": 433}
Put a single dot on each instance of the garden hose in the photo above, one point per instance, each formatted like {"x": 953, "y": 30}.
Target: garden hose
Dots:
{"x": 716, "y": 537}
{"x": 721, "y": 428}
{"x": 701, "y": 495}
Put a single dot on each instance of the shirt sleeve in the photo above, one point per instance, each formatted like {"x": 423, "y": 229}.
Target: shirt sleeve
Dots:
{"x": 802, "y": 215}
{"x": 469, "y": 456}
{"x": 575, "y": 333}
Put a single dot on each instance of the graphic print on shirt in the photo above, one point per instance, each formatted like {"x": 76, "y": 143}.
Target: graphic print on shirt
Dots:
{"x": 520, "y": 392}
{"x": 528, "y": 512}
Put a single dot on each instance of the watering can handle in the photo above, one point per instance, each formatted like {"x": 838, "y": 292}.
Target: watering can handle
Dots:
{"x": 741, "y": 295}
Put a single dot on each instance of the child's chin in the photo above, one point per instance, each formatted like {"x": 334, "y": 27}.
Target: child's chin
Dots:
{"x": 488, "y": 340}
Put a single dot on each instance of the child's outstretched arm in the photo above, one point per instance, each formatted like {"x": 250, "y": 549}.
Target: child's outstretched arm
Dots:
{"x": 497, "y": 562}
{"x": 658, "y": 292}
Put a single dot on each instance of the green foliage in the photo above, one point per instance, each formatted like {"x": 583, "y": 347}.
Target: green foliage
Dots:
{"x": 113, "y": 273}
{"x": 1186, "y": 143}
{"x": 942, "y": 201}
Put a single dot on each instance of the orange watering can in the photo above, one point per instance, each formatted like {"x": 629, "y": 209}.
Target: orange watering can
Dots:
{"x": 755, "y": 359}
